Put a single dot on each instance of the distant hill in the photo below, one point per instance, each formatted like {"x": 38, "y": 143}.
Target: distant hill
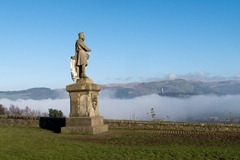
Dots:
{"x": 170, "y": 88}
{"x": 174, "y": 88}
{"x": 35, "y": 93}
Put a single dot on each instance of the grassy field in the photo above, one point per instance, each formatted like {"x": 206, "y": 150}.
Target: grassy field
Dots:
{"x": 35, "y": 143}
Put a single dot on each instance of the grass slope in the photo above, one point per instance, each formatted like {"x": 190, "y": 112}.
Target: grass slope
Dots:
{"x": 34, "y": 143}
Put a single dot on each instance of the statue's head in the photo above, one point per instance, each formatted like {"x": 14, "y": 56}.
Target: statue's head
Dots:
{"x": 81, "y": 35}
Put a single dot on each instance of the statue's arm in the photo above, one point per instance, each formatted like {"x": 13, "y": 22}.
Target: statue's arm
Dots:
{"x": 83, "y": 45}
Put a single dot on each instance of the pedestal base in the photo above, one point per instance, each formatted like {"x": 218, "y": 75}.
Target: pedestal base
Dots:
{"x": 84, "y": 110}
{"x": 85, "y": 125}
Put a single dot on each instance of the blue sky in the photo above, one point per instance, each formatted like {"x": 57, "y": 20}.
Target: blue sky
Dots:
{"x": 131, "y": 40}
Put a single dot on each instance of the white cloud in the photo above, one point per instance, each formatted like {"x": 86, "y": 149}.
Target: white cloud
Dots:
{"x": 199, "y": 76}
{"x": 128, "y": 79}
{"x": 172, "y": 76}
{"x": 237, "y": 76}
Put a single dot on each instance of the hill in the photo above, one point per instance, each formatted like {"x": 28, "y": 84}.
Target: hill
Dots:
{"x": 170, "y": 88}
{"x": 175, "y": 88}
{"x": 35, "y": 93}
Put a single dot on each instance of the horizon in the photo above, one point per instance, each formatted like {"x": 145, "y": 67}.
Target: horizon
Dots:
{"x": 125, "y": 83}
{"x": 131, "y": 41}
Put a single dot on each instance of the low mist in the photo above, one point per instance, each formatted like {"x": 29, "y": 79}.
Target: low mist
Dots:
{"x": 173, "y": 109}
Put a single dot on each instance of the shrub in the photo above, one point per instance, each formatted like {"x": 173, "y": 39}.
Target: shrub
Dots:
{"x": 153, "y": 114}
{"x": 55, "y": 113}
{"x": 2, "y": 110}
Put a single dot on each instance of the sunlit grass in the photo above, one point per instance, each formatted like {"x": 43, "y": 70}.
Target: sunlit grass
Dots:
{"x": 35, "y": 143}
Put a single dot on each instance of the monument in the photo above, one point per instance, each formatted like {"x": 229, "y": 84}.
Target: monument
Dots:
{"x": 84, "y": 115}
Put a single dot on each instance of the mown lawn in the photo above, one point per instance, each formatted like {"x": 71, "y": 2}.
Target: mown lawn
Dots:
{"x": 35, "y": 143}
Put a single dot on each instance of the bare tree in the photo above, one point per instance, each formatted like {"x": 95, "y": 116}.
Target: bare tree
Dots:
{"x": 14, "y": 111}
{"x": 27, "y": 112}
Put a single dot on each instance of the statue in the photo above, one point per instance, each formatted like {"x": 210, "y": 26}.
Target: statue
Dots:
{"x": 81, "y": 56}
{"x": 84, "y": 117}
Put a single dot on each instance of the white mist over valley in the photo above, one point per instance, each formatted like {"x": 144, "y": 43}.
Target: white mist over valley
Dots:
{"x": 138, "y": 108}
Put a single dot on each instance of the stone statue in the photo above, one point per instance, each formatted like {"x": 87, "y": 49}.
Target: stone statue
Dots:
{"x": 84, "y": 117}
{"x": 81, "y": 56}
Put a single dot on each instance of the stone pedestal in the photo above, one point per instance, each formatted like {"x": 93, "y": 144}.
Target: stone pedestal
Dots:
{"x": 85, "y": 125}
{"x": 84, "y": 115}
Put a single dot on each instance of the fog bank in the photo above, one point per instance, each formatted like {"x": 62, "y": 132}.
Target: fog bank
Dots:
{"x": 175, "y": 108}
{"x": 138, "y": 108}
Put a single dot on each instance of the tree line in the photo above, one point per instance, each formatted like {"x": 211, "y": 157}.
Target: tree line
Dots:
{"x": 27, "y": 112}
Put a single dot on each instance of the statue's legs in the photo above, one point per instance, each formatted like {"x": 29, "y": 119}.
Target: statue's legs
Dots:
{"x": 78, "y": 71}
{"x": 81, "y": 71}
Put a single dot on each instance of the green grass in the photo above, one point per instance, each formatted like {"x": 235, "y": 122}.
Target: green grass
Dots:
{"x": 35, "y": 143}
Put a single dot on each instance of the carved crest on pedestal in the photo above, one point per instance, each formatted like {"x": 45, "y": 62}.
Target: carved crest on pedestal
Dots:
{"x": 94, "y": 101}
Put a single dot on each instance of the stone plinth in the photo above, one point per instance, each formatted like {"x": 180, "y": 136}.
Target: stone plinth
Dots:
{"x": 85, "y": 125}
{"x": 84, "y": 110}
{"x": 83, "y": 98}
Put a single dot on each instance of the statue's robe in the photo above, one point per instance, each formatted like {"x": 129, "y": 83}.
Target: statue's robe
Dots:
{"x": 81, "y": 55}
